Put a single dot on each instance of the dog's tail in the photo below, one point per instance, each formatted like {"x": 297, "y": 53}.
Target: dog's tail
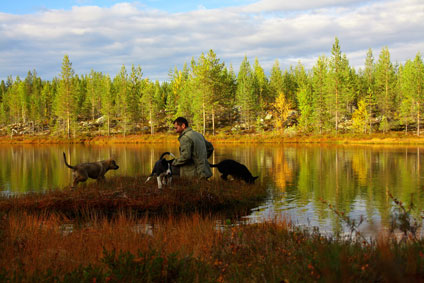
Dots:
{"x": 66, "y": 163}
{"x": 150, "y": 177}
{"x": 167, "y": 153}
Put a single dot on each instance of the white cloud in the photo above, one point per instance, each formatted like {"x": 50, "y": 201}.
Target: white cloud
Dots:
{"x": 104, "y": 39}
{"x": 298, "y": 5}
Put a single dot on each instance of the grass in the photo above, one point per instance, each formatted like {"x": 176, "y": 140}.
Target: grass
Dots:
{"x": 127, "y": 231}
{"x": 133, "y": 194}
{"x": 194, "y": 248}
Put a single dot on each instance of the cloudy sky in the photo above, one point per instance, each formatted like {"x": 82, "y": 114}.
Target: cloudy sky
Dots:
{"x": 159, "y": 35}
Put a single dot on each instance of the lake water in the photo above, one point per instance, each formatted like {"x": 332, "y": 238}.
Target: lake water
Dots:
{"x": 357, "y": 180}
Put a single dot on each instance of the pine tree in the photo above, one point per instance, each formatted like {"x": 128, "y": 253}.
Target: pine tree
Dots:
{"x": 412, "y": 86}
{"x": 246, "y": 98}
{"x": 229, "y": 96}
{"x": 80, "y": 89}
{"x": 2, "y": 90}
{"x": 276, "y": 81}
{"x": 151, "y": 100}
{"x": 290, "y": 86}
{"x": 108, "y": 101}
{"x": 175, "y": 85}
{"x": 134, "y": 94}
{"x": 406, "y": 107}
{"x": 261, "y": 85}
{"x": 182, "y": 89}
{"x": 48, "y": 94}
{"x": 4, "y": 104}
{"x": 25, "y": 97}
{"x": 304, "y": 99}
{"x": 94, "y": 87}
{"x": 3, "y": 114}
{"x": 123, "y": 101}
{"x": 340, "y": 94}
{"x": 36, "y": 103}
{"x": 208, "y": 78}
{"x": 370, "y": 86}
{"x": 65, "y": 100}
{"x": 385, "y": 83}
{"x": 320, "y": 92}
{"x": 23, "y": 101}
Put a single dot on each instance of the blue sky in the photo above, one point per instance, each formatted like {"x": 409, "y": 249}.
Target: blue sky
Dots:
{"x": 160, "y": 35}
{"x": 27, "y": 6}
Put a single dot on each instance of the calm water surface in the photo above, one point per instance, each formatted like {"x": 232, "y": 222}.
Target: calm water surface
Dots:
{"x": 355, "y": 179}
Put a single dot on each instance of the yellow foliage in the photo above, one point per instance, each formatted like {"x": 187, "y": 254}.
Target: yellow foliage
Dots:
{"x": 360, "y": 118}
{"x": 281, "y": 110}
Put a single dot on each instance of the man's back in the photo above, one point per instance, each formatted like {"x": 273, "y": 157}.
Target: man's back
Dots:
{"x": 194, "y": 154}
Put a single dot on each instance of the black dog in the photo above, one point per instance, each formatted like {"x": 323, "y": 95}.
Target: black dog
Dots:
{"x": 237, "y": 170}
{"x": 163, "y": 170}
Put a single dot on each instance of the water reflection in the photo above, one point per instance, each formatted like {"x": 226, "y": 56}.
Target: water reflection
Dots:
{"x": 355, "y": 179}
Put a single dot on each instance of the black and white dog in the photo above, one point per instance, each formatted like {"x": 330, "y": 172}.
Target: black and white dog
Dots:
{"x": 163, "y": 170}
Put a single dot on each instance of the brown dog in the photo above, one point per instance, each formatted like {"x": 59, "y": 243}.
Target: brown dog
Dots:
{"x": 94, "y": 170}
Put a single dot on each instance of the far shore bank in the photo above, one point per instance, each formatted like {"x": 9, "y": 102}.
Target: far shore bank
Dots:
{"x": 394, "y": 138}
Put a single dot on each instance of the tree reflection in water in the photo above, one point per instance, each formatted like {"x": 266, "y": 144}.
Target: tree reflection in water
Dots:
{"x": 355, "y": 179}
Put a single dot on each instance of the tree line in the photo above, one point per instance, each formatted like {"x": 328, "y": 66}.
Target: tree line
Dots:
{"x": 332, "y": 97}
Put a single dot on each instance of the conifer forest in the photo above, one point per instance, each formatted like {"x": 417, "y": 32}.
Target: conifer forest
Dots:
{"x": 332, "y": 97}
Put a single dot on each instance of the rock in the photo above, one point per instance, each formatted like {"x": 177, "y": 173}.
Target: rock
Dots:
{"x": 100, "y": 120}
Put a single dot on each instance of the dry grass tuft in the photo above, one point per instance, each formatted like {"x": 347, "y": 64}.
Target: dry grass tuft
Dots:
{"x": 133, "y": 194}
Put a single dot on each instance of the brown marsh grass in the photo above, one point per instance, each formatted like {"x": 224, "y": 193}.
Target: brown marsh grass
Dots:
{"x": 133, "y": 194}
{"x": 36, "y": 243}
{"x": 37, "y": 248}
{"x": 399, "y": 138}
{"x": 177, "y": 235}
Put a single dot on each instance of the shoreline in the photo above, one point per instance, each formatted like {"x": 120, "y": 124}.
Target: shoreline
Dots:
{"x": 387, "y": 139}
